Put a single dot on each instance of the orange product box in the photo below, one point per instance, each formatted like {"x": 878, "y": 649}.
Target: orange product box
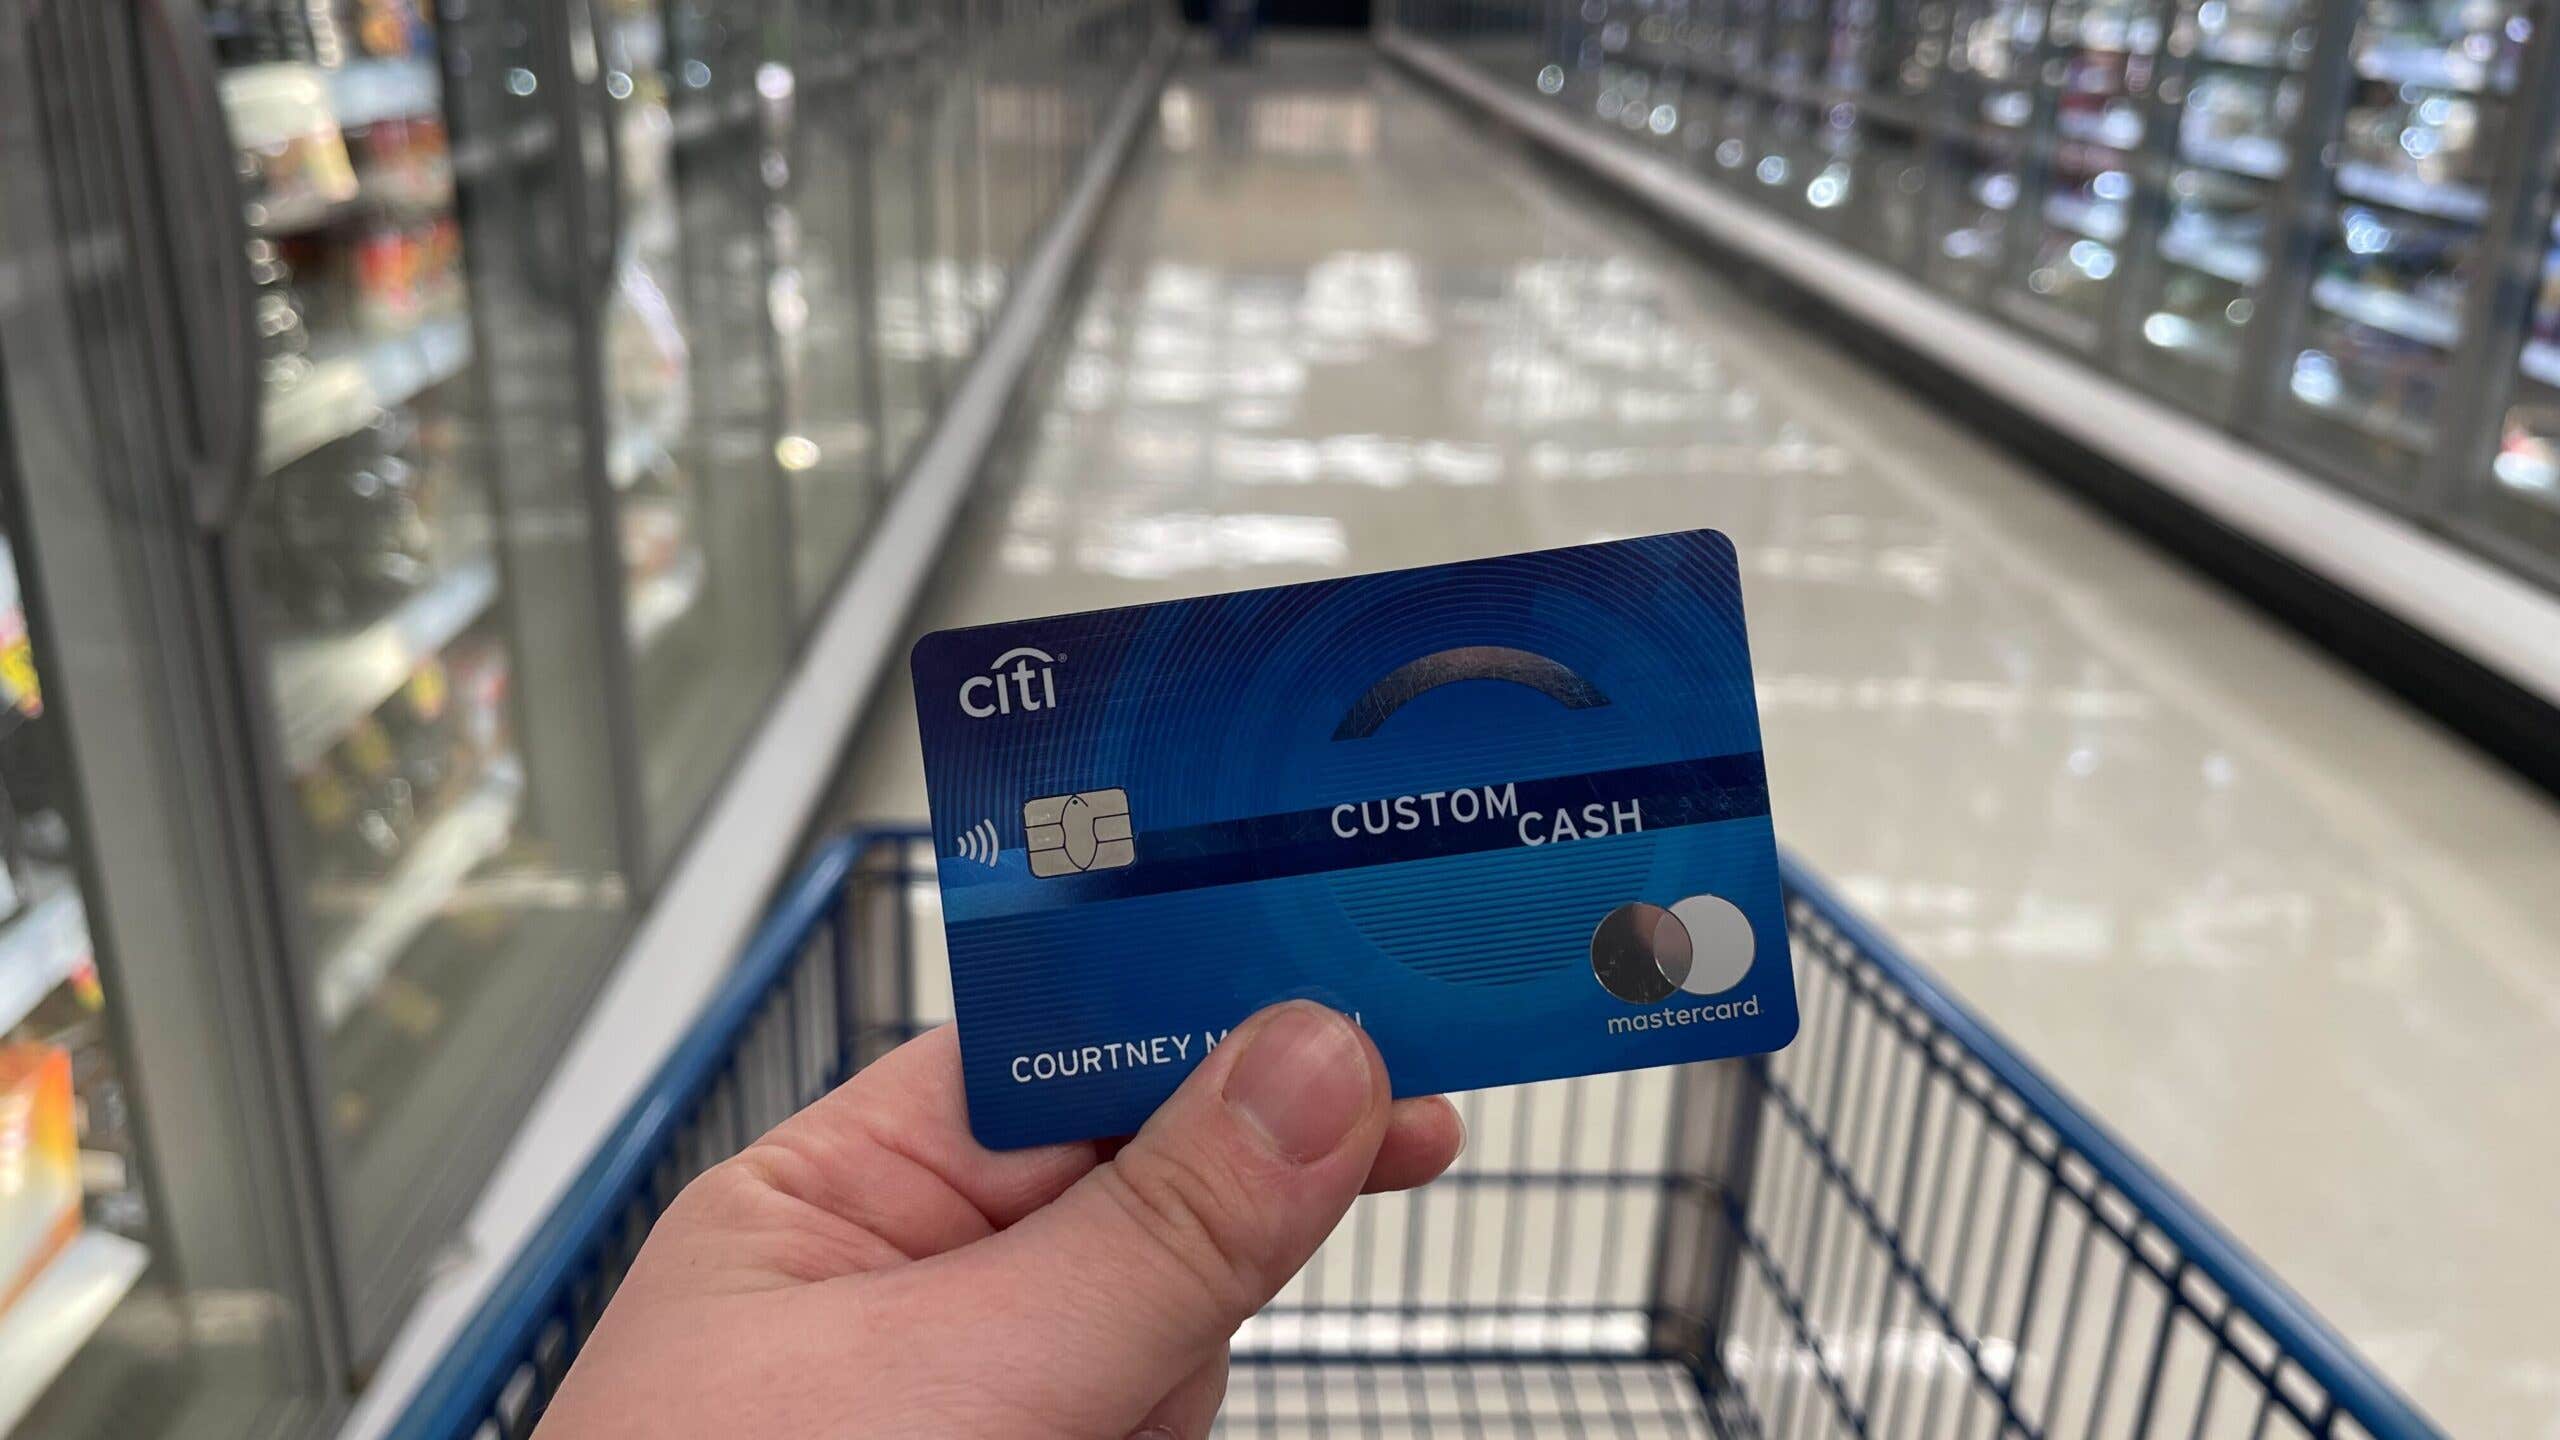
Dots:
{"x": 39, "y": 1164}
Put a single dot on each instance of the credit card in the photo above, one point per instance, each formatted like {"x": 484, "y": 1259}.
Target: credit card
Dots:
{"x": 1509, "y": 814}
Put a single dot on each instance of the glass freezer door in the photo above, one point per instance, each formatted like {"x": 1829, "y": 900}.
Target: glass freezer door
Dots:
{"x": 2400, "y": 229}
{"x": 1992, "y": 59}
{"x": 2097, "y": 78}
{"x": 2515, "y": 498}
{"x": 2234, "y": 83}
{"x": 1803, "y": 160}
{"x": 822, "y": 305}
{"x": 690, "y": 432}
{"x": 99, "y": 1238}
{"x": 154, "y": 1213}
{"x": 451, "y": 860}
{"x": 902, "y": 207}
{"x": 961, "y": 291}
{"x": 75, "y": 1233}
{"x": 1901, "y": 61}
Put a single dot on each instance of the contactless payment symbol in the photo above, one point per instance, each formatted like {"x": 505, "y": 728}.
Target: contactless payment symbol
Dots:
{"x": 1070, "y": 834}
{"x": 1644, "y": 953}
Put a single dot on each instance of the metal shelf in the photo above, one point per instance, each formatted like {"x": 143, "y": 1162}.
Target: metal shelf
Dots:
{"x": 2541, "y": 362}
{"x": 658, "y": 602}
{"x": 2100, "y": 130}
{"x": 56, "y": 1315}
{"x": 343, "y": 392}
{"x": 364, "y": 92}
{"x": 520, "y": 149}
{"x": 2388, "y": 425}
{"x": 2260, "y": 157}
{"x": 2180, "y": 335}
{"x": 375, "y": 194}
{"x": 476, "y": 828}
{"x": 2255, "y": 52}
{"x": 325, "y": 684}
{"x": 2445, "y": 201}
{"x": 2411, "y": 319}
{"x": 2234, "y": 260}
{"x": 2099, "y": 220}
{"x": 301, "y": 213}
{"x": 40, "y": 949}
{"x": 2432, "y": 67}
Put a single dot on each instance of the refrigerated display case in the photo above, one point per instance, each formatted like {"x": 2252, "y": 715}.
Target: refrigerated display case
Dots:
{"x": 2526, "y": 471}
{"x": 2411, "y": 155}
{"x": 2322, "y": 227}
{"x": 2508, "y": 496}
{"x": 1990, "y": 105}
{"x": 117, "y": 1226}
{"x": 898, "y": 146}
{"x": 2236, "y": 76}
{"x": 687, "y": 440}
{"x": 448, "y": 849}
{"x": 824, "y": 313}
{"x": 2096, "y": 74}
{"x": 416, "y": 431}
{"x": 960, "y": 290}
{"x": 154, "y": 1280}
{"x": 1802, "y": 157}
{"x": 1888, "y": 75}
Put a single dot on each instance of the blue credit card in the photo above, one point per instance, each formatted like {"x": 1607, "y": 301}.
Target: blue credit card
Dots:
{"x": 1509, "y": 813}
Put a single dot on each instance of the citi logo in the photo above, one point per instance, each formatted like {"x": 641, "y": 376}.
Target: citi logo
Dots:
{"x": 1019, "y": 679}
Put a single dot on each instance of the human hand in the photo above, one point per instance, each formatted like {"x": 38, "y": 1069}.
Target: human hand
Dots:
{"x": 867, "y": 1269}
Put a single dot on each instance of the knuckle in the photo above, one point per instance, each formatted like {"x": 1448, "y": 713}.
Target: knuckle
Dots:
{"x": 1199, "y": 1222}
{"x": 742, "y": 1184}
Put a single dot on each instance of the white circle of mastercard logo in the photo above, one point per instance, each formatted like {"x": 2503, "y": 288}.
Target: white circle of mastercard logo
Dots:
{"x": 1643, "y": 953}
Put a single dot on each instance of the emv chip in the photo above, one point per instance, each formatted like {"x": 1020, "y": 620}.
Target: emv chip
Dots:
{"x": 1070, "y": 834}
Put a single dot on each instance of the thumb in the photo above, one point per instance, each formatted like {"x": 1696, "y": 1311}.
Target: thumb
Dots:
{"x": 1148, "y": 1264}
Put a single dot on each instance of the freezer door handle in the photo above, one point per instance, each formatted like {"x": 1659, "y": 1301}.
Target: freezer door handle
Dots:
{"x": 206, "y": 238}
{"x": 606, "y": 236}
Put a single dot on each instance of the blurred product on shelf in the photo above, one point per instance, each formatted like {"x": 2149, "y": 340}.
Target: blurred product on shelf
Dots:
{"x": 2529, "y": 454}
{"x": 391, "y": 28}
{"x": 649, "y": 359}
{"x": 293, "y": 159}
{"x": 21, "y": 693}
{"x": 327, "y": 33}
{"x": 39, "y": 1164}
{"x": 402, "y": 767}
{"x": 348, "y": 528}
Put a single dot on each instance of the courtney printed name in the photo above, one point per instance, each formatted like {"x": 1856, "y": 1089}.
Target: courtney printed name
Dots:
{"x": 1109, "y": 1055}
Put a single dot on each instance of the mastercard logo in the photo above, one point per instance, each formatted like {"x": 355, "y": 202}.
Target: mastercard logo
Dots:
{"x": 1644, "y": 954}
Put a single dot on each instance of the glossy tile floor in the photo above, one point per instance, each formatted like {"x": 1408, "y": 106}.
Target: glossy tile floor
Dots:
{"x": 2295, "y": 944}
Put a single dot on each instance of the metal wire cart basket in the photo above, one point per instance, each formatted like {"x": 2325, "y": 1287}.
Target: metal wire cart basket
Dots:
{"x": 1898, "y": 1226}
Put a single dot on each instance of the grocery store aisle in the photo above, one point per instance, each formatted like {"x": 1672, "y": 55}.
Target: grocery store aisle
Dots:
{"x": 2293, "y": 942}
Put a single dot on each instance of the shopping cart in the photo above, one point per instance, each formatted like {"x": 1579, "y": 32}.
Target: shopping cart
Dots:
{"x": 1898, "y": 1226}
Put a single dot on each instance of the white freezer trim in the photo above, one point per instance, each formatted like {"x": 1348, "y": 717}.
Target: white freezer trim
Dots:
{"x": 711, "y": 902}
{"x": 2503, "y": 622}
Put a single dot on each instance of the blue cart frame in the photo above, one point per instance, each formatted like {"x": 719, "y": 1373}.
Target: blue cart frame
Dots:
{"x": 1898, "y": 1226}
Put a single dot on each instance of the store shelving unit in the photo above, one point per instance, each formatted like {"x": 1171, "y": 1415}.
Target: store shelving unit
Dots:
{"x": 449, "y": 433}
{"x": 58, "y": 1313}
{"x": 41, "y": 948}
{"x": 326, "y": 684}
{"x": 473, "y": 831}
{"x": 2326, "y": 229}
